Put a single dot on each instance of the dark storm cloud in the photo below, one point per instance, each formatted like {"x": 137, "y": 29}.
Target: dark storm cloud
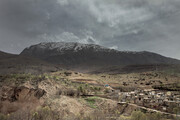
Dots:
{"x": 120, "y": 24}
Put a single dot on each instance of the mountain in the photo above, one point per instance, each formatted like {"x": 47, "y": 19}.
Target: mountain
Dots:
{"x": 4, "y": 55}
{"x": 89, "y": 55}
{"x": 10, "y": 63}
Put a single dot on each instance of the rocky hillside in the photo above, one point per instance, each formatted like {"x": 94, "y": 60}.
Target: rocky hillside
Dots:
{"x": 76, "y": 54}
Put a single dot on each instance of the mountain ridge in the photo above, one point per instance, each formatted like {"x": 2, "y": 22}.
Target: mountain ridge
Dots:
{"x": 14, "y": 64}
{"x": 88, "y": 55}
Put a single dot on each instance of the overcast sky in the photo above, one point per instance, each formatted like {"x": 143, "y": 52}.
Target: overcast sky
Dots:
{"x": 130, "y": 25}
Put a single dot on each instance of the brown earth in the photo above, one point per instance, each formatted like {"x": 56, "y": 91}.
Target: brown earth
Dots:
{"x": 14, "y": 98}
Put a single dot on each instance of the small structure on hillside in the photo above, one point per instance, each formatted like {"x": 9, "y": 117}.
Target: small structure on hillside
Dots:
{"x": 109, "y": 87}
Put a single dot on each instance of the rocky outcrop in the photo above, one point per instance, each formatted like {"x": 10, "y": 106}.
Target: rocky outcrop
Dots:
{"x": 14, "y": 98}
{"x": 22, "y": 94}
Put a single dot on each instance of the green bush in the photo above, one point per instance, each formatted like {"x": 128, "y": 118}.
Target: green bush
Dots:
{"x": 91, "y": 101}
{"x": 176, "y": 110}
{"x": 154, "y": 116}
{"x": 82, "y": 90}
{"x": 3, "y": 117}
{"x": 138, "y": 115}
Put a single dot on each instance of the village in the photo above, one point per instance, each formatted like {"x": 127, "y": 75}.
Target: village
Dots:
{"x": 165, "y": 101}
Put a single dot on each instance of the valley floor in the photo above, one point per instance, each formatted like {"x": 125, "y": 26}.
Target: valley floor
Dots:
{"x": 73, "y": 95}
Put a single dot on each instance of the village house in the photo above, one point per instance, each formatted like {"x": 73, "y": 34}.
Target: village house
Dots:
{"x": 151, "y": 98}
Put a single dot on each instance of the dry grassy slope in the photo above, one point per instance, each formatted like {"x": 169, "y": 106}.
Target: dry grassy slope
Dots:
{"x": 21, "y": 96}
{"x": 128, "y": 80}
{"x": 61, "y": 91}
{"x": 59, "y": 94}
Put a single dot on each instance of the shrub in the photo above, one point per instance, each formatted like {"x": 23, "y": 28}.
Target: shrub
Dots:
{"x": 154, "y": 116}
{"x": 3, "y": 117}
{"x": 81, "y": 90}
{"x": 91, "y": 101}
{"x": 138, "y": 115}
{"x": 176, "y": 110}
{"x": 71, "y": 92}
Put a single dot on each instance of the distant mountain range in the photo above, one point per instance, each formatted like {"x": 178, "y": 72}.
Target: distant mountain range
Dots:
{"x": 76, "y": 54}
{"x": 52, "y": 56}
